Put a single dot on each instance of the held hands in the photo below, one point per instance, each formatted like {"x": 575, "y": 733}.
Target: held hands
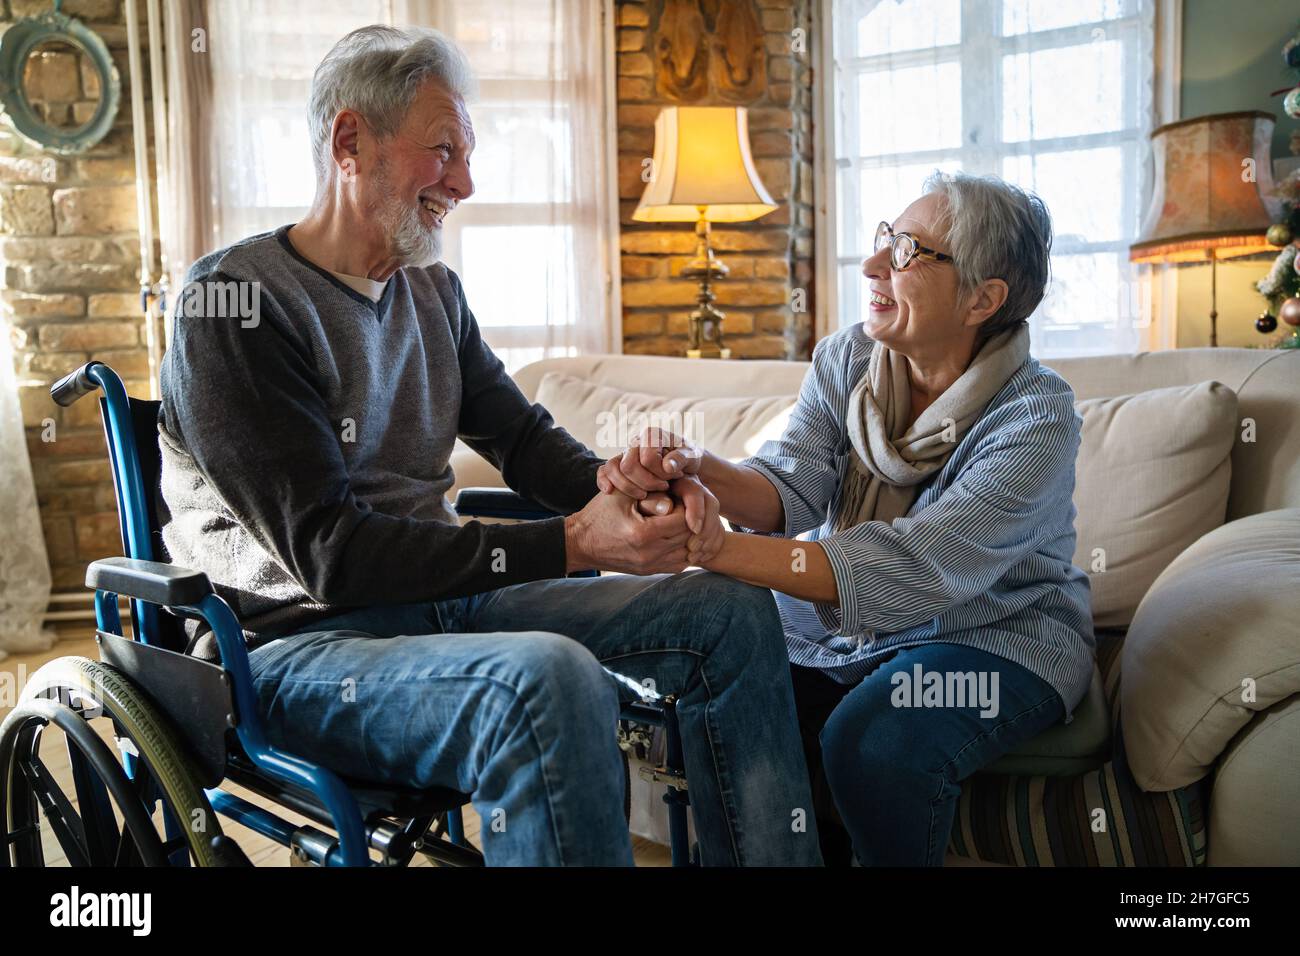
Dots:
{"x": 613, "y": 534}
{"x": 655, "y": 458}
{"x": 658, "y": 472}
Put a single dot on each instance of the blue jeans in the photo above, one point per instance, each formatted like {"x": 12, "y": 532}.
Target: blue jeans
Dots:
{"x": 512, "y": 696}
{"x": 893, "y": 758}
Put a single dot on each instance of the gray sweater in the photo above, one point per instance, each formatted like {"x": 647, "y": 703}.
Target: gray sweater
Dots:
{"x": 306, "y": 446}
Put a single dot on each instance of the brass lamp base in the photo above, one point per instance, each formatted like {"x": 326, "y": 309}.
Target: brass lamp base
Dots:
{"x": 720, "y": 354}
{"x": 705, "y": 332}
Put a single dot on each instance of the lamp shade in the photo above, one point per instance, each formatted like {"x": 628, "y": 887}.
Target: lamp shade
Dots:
{"x": 1205, "y": 204}
{"x": 702, "y": 167}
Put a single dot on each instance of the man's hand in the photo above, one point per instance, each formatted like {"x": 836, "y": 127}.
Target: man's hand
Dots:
{"x": 611, "y": 534}
{"x": 656, "y": 458}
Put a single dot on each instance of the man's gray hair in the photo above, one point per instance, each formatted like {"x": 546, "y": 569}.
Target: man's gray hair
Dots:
{"x": 995, "y": 230}
{"x": 377, "y": 71}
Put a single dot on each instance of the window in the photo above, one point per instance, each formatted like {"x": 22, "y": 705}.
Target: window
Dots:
{"x": 1056, "y": 97}
{"x": 532, "y": 246}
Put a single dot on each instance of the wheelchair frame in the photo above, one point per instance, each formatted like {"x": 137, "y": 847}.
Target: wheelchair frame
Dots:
{"x": 286, "y": 779}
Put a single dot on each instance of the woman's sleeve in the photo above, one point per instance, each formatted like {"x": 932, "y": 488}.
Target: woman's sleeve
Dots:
{"x": 1003, "y": 505}
{"x": 802, "y": 464}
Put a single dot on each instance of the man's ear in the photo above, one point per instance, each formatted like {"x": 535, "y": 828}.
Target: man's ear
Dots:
{"x": 344, "y": 143}
{"x": 988, "y": 297}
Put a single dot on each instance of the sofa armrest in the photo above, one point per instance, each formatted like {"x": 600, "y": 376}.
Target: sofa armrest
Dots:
{"x": 1214, "y": 642}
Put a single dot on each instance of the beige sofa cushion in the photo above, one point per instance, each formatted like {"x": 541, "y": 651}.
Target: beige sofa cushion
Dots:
{"x": 1152, "y": 477}
{"x": 1215, "y": 641}
{"x": 606, "y": 419}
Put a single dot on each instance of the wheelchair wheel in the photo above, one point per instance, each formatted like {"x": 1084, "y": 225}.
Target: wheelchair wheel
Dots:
{"x": 154, "y": 815}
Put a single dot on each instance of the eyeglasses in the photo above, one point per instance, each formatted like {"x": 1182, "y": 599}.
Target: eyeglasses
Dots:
{"x": 905, "y": 248}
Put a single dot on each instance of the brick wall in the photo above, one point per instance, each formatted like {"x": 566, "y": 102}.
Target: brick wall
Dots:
{"x": 69, "y": 251}
{"x": 69, "y": 254}
{"x": 767, "y": 297}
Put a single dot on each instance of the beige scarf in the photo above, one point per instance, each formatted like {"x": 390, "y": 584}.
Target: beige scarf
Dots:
{"x": 887, "y": 463}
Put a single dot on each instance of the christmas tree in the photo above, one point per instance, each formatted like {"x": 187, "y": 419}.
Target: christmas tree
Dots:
{"x": 1282, "y": 284}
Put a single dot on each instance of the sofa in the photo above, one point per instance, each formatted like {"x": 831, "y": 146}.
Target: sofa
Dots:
{"x": 1186, "y": 751}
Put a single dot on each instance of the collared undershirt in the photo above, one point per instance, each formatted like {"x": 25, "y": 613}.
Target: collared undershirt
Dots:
{"x": 372, "y": 290}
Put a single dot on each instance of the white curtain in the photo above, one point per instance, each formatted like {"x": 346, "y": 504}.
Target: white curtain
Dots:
{"x": 1057, "y": 97}
{"x": 188, "y": 221}
{"x": 24, "y": 565}
{"x": 533, "y": 245}
{"x": 262, "y": 59}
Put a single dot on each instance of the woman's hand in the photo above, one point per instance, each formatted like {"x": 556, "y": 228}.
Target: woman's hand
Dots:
{"x": 705, "y": 543}
{"x": 688, "y": 495}
{"x": 654, "y": 459}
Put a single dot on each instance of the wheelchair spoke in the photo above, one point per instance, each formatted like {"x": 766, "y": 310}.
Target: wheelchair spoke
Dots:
{"x": 100, "y": 826}
{"x": 63, "y": 818}
{"x": 127, "y": 852}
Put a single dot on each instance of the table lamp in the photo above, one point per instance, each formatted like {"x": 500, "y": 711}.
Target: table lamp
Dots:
{"x": 1207, "y": 203}
{"x": 703, "y": 173}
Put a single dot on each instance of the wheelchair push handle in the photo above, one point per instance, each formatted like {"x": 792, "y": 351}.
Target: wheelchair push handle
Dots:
{"x": 74, "y": 385}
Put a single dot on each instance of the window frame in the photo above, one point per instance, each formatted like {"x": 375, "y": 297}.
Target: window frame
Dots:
{"x": 981, "y": 58}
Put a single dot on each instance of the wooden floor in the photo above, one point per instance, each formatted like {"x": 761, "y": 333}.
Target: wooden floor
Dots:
{"x": 261, "y": 850}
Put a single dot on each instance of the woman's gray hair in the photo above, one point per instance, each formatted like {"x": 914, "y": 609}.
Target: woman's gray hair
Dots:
{"x": 377, "y": 71}
{"x": 995, "y": 230}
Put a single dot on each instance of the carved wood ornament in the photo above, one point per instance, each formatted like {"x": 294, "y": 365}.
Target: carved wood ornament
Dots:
{"x": 708, "y": 46}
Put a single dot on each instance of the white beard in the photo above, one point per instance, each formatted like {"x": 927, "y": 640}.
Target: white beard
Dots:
{"x": 413, "y": 244}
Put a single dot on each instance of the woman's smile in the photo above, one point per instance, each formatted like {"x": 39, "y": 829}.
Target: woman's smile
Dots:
{"x": 881, "y": 302}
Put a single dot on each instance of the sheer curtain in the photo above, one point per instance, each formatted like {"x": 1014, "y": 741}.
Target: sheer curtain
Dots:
{"x": 1057, "y": 97}
{"x": 533, "y": 245}
{"x": 262, "y": 58}
{"x": 24, "y": 564}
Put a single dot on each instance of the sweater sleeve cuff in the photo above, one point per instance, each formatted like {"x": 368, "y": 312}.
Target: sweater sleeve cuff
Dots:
{"x": 528, "y": 551}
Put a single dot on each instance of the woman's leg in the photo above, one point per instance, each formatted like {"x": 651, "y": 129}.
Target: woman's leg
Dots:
{"x": 899, "y": 744}
{"x": 815, "y": 698}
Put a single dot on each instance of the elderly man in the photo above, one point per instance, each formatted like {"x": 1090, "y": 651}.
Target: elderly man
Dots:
{"x": 305, "y": 461}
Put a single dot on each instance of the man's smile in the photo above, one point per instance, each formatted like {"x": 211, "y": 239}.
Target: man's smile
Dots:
{"x": 436, "y": 208}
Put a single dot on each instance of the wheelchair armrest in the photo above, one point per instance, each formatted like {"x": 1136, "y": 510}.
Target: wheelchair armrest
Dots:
{"x": 150, "y": 581}
{"x": 499, "y": 503}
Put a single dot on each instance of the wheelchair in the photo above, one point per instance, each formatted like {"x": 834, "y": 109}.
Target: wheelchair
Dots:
{"x": 154, "y": 737}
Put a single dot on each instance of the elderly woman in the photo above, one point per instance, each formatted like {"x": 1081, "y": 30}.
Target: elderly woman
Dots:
{"x": 933, "y": 616}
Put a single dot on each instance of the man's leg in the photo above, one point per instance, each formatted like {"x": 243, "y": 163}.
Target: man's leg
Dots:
{"x": 524, "y": 722}
{"x": 895, "y": 769}
{"x": 718, "y": 645}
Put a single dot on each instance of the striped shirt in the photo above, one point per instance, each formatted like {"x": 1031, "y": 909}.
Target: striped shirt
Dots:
{"x": 984, "y": 556}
